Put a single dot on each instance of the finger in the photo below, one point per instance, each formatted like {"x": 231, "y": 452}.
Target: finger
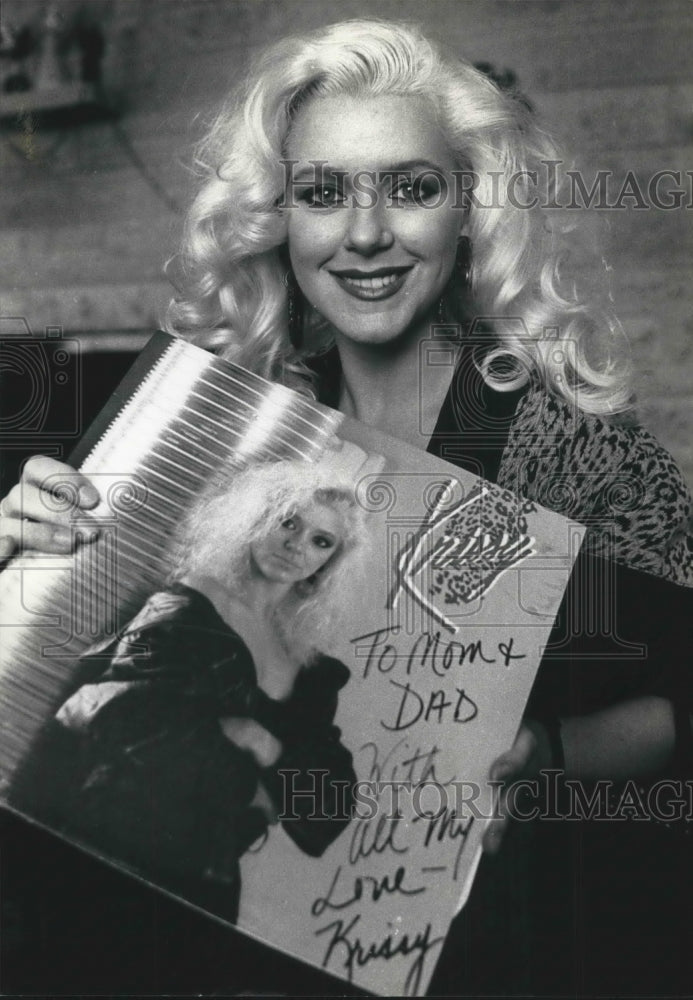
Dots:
{"x": 232, "y": 727}
{"x": 25, "y": 500}
{"x": 493, "y": 835}
{"x": 516, "y": 759}
{"x": 11, "y": 505}
{"x": 52, "y": 476}
{"x": 7, "y": 548}
{"x": 16, "y": 534}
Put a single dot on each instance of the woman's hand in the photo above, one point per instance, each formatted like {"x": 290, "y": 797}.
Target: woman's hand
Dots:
{"x": 529, "y": 754}
{"x": 249, "y": 735}
{"x": 633, "y": 739}
{"x": 262, "y": 801}
{"x": 38, "y": 512}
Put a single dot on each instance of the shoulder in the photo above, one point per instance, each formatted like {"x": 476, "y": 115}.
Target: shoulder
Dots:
{"x": 177, "y": 606}
{"x": 178, "y": 627}
{"x": 180, "y": 608}
{"x": 610, "y": 475}
{"x": 553, "y": 432}
{"x": 164, "y": 606}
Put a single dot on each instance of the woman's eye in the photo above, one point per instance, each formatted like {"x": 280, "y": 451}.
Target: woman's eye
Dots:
{"x": 289, "y": 523}
{"x": 323, "y": 543}
{"x": 322, "y": 197}
{"x": 418, "y": 191}
{"x": 402, "y": 193}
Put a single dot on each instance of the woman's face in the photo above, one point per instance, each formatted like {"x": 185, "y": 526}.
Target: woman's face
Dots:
{"x": 372, "y": 230}
{"x": 300, "y": 545}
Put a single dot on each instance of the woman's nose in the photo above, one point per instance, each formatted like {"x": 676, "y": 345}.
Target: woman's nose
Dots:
{"x": 368, "y": 228}
{"x": 293, "y": 543}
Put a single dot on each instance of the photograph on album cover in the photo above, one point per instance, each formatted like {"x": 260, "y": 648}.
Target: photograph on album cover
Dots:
{"x": 292, "y": 726}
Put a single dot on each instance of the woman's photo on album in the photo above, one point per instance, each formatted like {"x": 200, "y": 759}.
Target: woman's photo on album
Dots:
{"x": 376, "y": 214}
{"x": 219, "y": 685}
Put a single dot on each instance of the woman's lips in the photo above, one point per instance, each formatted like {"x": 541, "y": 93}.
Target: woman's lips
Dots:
{"x": 285, "y": 562}
{"x": 374, "y": 285}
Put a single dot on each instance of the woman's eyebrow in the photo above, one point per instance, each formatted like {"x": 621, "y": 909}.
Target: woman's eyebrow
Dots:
{"x": 412, "y": 166}
{"x": 310, "y": 174}
{"x": 325, "y": 534}
{"x": 318, "y": 171}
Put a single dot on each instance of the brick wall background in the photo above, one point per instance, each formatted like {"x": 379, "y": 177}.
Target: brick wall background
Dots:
{"x": 84, "y": 233}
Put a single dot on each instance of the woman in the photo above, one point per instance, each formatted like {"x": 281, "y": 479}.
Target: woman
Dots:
{"x": 349, "y": 197}
{"x": 362, "y": 156}
{"x": 217, "y": 686}
{"x": 354, "y": 196}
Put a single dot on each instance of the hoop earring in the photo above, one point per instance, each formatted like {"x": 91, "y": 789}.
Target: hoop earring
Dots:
{"x": 294, "y": 300}
{"x": 463, "y": 260}
{"x": 462, "y": 271}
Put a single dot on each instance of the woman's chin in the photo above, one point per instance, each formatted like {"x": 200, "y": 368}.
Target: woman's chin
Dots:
{"x": 382, "y": 331}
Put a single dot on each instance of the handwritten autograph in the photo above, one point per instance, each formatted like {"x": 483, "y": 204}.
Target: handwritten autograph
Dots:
{"x": 358, "y": 953}
{"x": 404, "y": 764}
{"x": 363, "y": 884}
{"x": 446, "y": 825}
{"x": 429, "y": 651}
{"x": 369, "y": 837}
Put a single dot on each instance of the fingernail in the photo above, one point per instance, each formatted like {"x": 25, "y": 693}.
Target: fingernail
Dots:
{"x": 6, "y": 547}
{"x": 88, "y": 496}
{"x": 61, "y": 536}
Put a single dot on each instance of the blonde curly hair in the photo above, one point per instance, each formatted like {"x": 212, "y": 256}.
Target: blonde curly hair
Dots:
{"x": 216, "y": 536}
{"x": 231, "y": 270}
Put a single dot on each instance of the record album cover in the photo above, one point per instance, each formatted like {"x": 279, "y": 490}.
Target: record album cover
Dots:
{"x": 275, "y": 685}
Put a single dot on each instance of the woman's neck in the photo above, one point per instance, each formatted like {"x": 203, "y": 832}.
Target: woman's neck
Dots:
{"x": 259, "y": 597}
{"x": 394, "y": 388}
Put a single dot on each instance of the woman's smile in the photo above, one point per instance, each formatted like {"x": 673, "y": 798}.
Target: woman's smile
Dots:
{"x": 380, "y": 283}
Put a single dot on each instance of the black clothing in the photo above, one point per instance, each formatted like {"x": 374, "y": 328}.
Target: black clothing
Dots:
{"x": 158, "y": 786}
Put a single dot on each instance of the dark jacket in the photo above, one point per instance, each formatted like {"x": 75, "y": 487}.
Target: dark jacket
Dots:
{"x": 159, "y": 787}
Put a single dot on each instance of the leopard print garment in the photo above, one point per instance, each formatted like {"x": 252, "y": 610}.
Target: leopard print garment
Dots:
{"x": 617, "y": 480}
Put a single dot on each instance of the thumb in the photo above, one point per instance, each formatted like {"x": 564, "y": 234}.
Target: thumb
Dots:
{"x": 515, "y": 760}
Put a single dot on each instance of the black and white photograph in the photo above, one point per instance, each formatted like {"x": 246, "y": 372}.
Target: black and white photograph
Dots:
{"x": 346, "y": 530}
